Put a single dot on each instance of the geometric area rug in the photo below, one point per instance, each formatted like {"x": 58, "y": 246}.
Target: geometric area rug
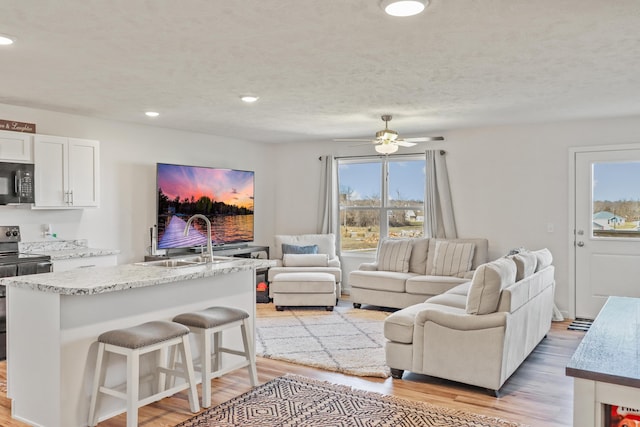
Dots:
{"x": 346, "y": 340}
{"x": 293, "y": 400}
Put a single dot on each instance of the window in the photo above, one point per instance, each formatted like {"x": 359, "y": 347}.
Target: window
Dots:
{"x": 380, "y": 197}
{"x": 616, "y": 199}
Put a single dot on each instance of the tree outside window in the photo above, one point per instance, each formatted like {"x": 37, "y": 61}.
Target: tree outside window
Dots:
{"x": 380, "y": 197}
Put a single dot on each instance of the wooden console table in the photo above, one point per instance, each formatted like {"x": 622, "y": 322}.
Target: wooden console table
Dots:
{"x": 606, "y": 366}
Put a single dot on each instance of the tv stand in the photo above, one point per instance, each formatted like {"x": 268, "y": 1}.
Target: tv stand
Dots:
{"x": 244, "y": 251}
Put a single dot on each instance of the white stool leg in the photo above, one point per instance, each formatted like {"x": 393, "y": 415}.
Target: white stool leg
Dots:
{"x": 161, "y": 361}
{"x": 133, "y": 385}
{"x": 217, "y": 343}
{"x": 249, "y": 353}
{"x": 98, "y": 379}
{"x": 205, "y": 357}
{"x": 185, "y": 351}
{"x": 171, "y": 379}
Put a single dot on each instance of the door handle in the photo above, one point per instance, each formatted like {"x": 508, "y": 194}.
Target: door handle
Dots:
{"x": 580, "y": 244}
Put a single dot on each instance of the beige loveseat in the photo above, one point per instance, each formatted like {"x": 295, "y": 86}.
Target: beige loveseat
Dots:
{"x": 407, "y": 276}
{"x": 479, "y": 332}
{"x": 314, "y": 262}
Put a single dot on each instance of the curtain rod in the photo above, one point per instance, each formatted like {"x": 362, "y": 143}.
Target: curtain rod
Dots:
{"x": 442, "y": 153}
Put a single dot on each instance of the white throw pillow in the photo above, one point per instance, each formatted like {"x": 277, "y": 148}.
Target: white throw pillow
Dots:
{"x": 487, "y": 284}
{"x": 525, "y": 264}
{"x": 394, "y": 254}
{"x": 544, "y": 258}
{"x": 452, "y": 258}
{"x": 305, "y": 260}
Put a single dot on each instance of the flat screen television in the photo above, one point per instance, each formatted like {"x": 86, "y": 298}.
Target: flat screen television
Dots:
{"x": 225, "y": 196}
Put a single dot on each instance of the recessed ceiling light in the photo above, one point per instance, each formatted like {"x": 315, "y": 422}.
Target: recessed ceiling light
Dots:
{"x": 403, "y": 7}
{"x": 249, "y": 98}
{"x": 6, "y": 40}
{"x": 152, "y": 114}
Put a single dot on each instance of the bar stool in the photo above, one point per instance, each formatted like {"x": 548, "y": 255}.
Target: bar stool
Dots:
{"x": 132, "y": 343}
{"x": 214, "y": 320}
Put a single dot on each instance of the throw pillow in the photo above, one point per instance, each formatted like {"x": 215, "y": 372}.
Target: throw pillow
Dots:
{"x": 452, "y": 258}
{"x": 294, "y": 249}
{"x": 544, "y": 258}
{"x": 487, "y": 284}
{"x": 305, "y": 260}
{"x": 525, "y": 264}
{"x": 394, "y": 254}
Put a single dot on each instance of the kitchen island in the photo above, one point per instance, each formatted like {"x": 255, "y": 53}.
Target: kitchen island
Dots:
{"x": 605, "y": 367}
{"x": 54, "y": 320}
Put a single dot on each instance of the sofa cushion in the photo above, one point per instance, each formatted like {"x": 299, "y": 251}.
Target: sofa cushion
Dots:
{"x": 295, "y": 249}
{"x": 390, "y": 281}
{"x": 488, "y": 281}
{"x": 431, "y": 285}
{"x": 305, "y": 260}
{"x": 452, "y": 258}
{"x": 394, "y": 254}
{"x": 418, "y": 259}
{"x": 398, "y": 326}
{"x": 544, "y": 258}
{"x": 525, "y": 264}
{"x": 450, "y": 300}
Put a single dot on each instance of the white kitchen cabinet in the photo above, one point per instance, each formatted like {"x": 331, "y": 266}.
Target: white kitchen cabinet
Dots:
{"x": 16, "y": 147}
{"x": 84, "y": 262}
{"x": 67, "y": 172}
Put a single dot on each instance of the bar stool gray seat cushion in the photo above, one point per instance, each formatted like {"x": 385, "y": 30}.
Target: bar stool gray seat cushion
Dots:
{"x": 211, "y": 317}
{"x": 144, "y": 335}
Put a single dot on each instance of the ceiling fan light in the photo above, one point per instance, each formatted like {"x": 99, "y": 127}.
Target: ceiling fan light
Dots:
{"x": 386, "y": 148}
{"x": 403, "y": 7}
{"x": 6, "y": 40}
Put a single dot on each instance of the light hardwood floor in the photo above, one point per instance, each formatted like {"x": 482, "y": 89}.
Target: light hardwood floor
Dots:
{"x": 538, "y": 394}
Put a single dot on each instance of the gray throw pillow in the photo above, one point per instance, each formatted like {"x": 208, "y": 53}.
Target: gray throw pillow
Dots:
{"x": 294, "y": 249}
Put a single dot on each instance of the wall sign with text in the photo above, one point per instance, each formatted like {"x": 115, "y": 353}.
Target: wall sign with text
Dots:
{"x": 17, "y": 126}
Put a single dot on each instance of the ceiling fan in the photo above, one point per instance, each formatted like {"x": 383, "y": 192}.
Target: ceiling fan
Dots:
{"x": 387, "y": 141}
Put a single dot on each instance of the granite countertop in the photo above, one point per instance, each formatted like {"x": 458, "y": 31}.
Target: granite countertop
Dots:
{"x": 98, "y": 280}
{"x": 65, "y": 249}
{"x": 609, "y": 351}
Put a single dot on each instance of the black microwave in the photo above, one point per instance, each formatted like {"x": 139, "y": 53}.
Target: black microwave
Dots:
{"x": 16, "y": 183}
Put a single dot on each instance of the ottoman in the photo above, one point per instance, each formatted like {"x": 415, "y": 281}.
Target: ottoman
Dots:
{"x": 304, "y": 289}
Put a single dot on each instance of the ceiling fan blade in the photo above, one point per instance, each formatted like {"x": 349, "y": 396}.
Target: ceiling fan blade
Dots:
{"x": 352, "y": 140}
{"x": 403, "y": 143}
{"x": 425, "y": 139}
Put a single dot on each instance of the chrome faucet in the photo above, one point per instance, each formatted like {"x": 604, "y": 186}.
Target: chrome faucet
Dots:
{"x": 209, "y": 246}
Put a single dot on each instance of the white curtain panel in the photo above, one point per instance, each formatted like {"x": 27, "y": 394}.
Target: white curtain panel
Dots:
{"x": 328, "y": 219}
{"x": 438, "y": 216}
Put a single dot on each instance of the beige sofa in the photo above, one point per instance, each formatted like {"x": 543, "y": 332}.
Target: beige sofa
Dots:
{"x": 400, "y": 287}
{"x": 325, "y": 244}
{"x": 479, "y": 332}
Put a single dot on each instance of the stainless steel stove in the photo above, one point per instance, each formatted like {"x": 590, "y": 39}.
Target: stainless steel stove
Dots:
{"x": 14, "y": 263}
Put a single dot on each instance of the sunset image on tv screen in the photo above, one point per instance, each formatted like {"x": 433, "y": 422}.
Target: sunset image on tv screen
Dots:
{"x": 224, "y": 196}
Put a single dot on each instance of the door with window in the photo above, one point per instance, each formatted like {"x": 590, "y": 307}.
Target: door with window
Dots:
{"x": 607, "y": 228}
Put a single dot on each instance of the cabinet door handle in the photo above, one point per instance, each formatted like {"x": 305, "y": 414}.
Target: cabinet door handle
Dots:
{"x": 71, "y": 194}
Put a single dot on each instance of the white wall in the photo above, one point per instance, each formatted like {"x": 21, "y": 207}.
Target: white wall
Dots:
{"x": 509, "y": 184}
{"x": 129, "y": 154}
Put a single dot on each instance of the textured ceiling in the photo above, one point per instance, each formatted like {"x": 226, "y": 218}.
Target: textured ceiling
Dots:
{"x": 323, "y": 68}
